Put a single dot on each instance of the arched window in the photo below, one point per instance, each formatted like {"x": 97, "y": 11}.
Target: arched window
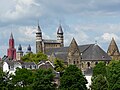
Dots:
{"x": 74, "y": 62}
{"x": 88, "y": 64}
{"x": 96, "y": 63}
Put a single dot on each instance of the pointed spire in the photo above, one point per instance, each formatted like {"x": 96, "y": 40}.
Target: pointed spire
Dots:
{"x": 39, "y": 29}
{"x": 60, "y": 31}
{"x": 113, "y": 48}
{"x": 11, "y": 36}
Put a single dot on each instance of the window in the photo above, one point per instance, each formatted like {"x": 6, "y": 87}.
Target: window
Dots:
{"x": 88, "y": 64}
{"x": 74, "y": 62}
{"x": 96, "y": 63}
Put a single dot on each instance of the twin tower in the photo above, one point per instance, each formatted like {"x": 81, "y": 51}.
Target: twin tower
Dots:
{"x": 42, "y": 45}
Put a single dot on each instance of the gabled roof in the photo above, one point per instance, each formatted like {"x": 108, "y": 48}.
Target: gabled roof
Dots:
{"x": 45, "y": 64}
{"x": 113, "y": 48}
{"x": 88, "y": 52}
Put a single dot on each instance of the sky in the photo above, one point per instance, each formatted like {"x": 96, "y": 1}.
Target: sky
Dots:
{"x": 87, "y": 21}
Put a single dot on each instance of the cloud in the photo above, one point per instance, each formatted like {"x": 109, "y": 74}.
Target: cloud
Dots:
{"x": 109, "y": 36}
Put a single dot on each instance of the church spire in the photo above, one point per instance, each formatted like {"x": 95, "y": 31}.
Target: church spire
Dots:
{"x": 11, "y": 52}
{"x": 11, "y": 36}
{"x": 60, "y": 31}
{"x": 113, "y": 49}
{"x": 39, "y": 29}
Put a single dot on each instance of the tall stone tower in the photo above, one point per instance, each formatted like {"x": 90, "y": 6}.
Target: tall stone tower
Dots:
{"x": 60, "y": 37}
{"x": 39, "y": 40}
{"x": 113, "y": 50}
{"x": 74, "y": 56}
{"x": 11, "y": 52}
{"x": 19, "y": 52}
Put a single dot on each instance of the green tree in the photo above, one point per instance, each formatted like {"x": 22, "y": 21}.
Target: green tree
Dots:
{"x": 5, "y": 82}
{"x": 22, "y": 79}
{"x": 31, "y": 57}
{"x": 73, "y": 79}
{"x": 43, "y": 80}
{"x": 113, "y": 75}
{"x": 59, "y": 65}
{"x": 100, "y": 68}
{"x": 99, "y": 83}
{"x": 99, "y": 78}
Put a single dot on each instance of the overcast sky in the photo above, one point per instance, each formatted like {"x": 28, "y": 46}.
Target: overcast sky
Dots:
{"x": 85, "y": 20}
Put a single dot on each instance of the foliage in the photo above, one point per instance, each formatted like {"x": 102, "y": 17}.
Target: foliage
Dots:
{"x": 113, "y": 75}
{"x": 73, "y": 79}
{"x": 5, "y": 82}
{"x": 99, "y": 80}
{"x": 22, "y": 79}
{"x": 99, "y": 83}
{"x": 107, "y": 77}
{"x": 43, "y": 80}
{"x": 100, "y": 68}
{"x": 59, "y": 65}
{"x": 31, "y": 57}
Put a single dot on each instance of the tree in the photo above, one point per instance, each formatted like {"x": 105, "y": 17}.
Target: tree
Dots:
{"x": 106, "y": 77}
{"x": 43, "y": 80}
{"x": 113, "y": 75}
{"x": 73, "y": 79}
{"x": 31, "y": 57}
{"x": 5, "y": 82}
{"x": 99, "y": 83}
{"x": 100, "y": 68}
{"x": 59, "y": 65}
{"x": 22, "y": 79}
{"x": 99, "y": 78}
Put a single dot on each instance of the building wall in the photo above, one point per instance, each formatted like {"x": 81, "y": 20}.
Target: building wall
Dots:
{"x": 5, "y": 67}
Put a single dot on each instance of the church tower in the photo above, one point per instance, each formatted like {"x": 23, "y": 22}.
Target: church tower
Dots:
{"x": 11, "y": 52}
{"x": 60, "y": 37}
{"x": 19, "y": 52}
{"x": 74, "y": 56}
{"x": 113, "y": 50}
{"x": 39, "y": 40}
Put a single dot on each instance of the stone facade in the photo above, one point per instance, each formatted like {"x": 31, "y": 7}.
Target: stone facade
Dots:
{"x": 113, "y": 50}
{"x": 74, "y": 56}
{"x": 42, "y": 45}
{"x": 83, "y": 56}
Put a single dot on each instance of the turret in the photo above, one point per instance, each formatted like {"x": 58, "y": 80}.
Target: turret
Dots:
{"x": 19, "y": 52}
{"x": 60, "y": 37}
{"x": 39, "y": 40}
{"x": 29, "y": 49}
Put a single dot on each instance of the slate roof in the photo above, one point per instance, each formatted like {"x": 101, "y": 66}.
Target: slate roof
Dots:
{"x": 60, "y": 31}
{"x": 88, "y": 52}
{"x": 28, "y": 64}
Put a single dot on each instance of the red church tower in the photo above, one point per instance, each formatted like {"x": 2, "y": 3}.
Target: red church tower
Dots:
{"x": 11, "y": 52}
